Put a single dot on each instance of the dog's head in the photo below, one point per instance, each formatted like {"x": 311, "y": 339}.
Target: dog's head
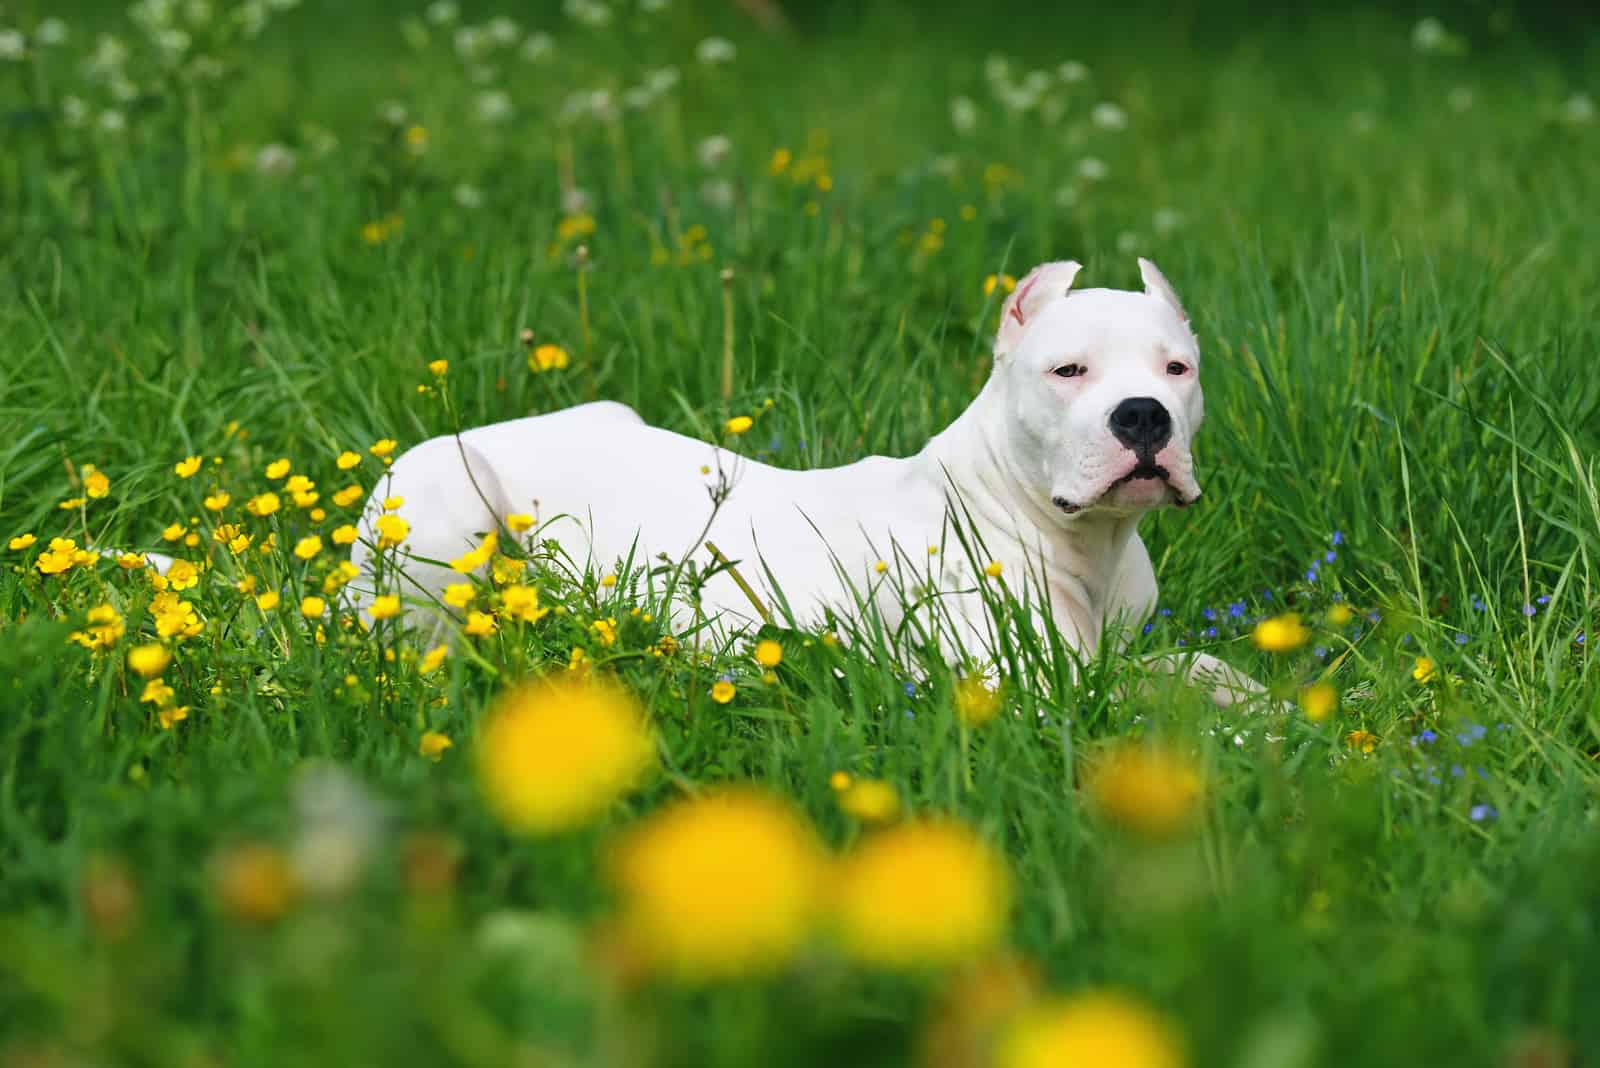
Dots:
{"x": 1103, "y": 390}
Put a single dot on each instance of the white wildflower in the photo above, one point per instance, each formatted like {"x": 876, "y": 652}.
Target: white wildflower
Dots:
{"x": 173, "y": 43}
{"x": 13, "y": 46}
{"x": 443, "y": 12}
{"x": 1166, "y": 220}
{"x": 1579, "y": 108}
{"x": 74, "y": 112}
{"x": 713, "y": 150}
{"x": 468, "y": 196}
{"x": 52, "y": 31}
{"x": 469, "y": 42}
{"x": 1072, "y": 72}
{"x": 1091, "y": 169}
{"x": 997, "y": 69}
{"x": 1128, "y": 242}
{"x": 638, "y": 98}
{"x": 502, "y": 30}
{"x": 1067, "y": 197}
{"x": 251, "y": 18}
{"x": 274, "y": 160}
{"x": 662, "y": 79}
{"x": 538, "y": 46}
{"x": 392, "y": 112}
{"x": 338, "y": 826}
{"x": 717, "y": 192}
{"x": 715, "y": 50}
{"x": 1429, "y": 35}
{"x": 963, "y": 114}
{"x": 107, "y": 58}
{"x": 576, "y": 201}
{"x": 492, "y": 105}
{"x": 152, "y": 15}
{"x": 590, "y": 13}
{"x": 1109, "y": 116}
{"x": 112, "y": 121}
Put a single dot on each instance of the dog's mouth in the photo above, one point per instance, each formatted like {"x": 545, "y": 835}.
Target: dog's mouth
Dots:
{"x": 1144, "y": 471}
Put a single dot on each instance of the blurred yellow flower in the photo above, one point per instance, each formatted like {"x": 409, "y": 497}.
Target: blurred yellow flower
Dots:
{"x": 186, "y": 467}
{"x": 393, "y": 504}
{"x": 278, "y": 468}
{"x": 183, "y": 575}
{"x": 555, "y": 753}
{"x": 1092, "y": 1028}
{"x": 1340, "y": 614}
{"x": 267, "y": 601}
{"x": 738, "y": 424}
{"x": 870, "y": 800}
{"x": 769, "y": 654}
{"x": 1281, "y": 634}
{"x": 21, "y": 541}
{"x": 432, "y": 659}
{"x": 994, "y": 568}
{"x": 472, "y": 561}
{"x": 1318, "y": 701}
{"x": 1424, "y": 670}
{"x": 607, "y": 581}
{"x": 308, "y": 547}
{"x": 347, "y": 460}
{"x": 480, "y": 624}
{"x": 722, "y": 691}
{"x": 521, "y": 603}
{"x": 72, "y": 503}
{"x": 976, "y": 701}
{"x": 434, "y": 744}
{"x": 262, "y": 504}
{"x": 386, "y": 606}
{"x": 921, "y": 894}
{"x": 130, "y": 561}
{"x": 384, "y": 447}
{"x": 840, "y": 780}
{"x": 105, "y": 627}
{"x": 174, "y": 532}
{"x": 344, "y": 535}
{"x": 605, "y": 630}
{"x": 547, "y": 357}
{"x": 349, "y": 495}
{"x": 459, "y": 594}
{"x": 392, "y": 530}
{"x": 579, "y": 225}
{"x": 156, "y": 692}
{"x": 438, "y": 367}
{"x": 719, "y": 886}
{"x": 254, "y": 883}
{"x": 1003, "y": 281}
{"x": 148, "y": 660}
{"x": 1365, "y": 741}
{"x": 519, "y": 522}
{"x": 313, "y": 607}
{"x": 95, "y": 483}
{"x": 175, "y": 617}
{"x": 1150, "y": 791}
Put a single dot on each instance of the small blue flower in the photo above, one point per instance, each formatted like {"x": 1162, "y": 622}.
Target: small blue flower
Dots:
{"x": 1457, "y": 771}
{"x": 1321, "y": 652}
{"x": 1579, "y": 639}
{"x": 1329, "y": 557}
{"x": 1266, "y": 595}
{"x": 1311, "y": 576}
{"x": 1209, "y": 632}
{"x": 1148, "y": 627}
{"x": 1481, "y": 813}
{"x": 1462, "y": 639}
{"x": 1163, "y": 612}
{"x": 911, "y": 689}
{"x": 1478, "y": 604}
{"x": 1473, "y": 733}
{"x": 1529, "y": 610}
{"x": 1374, "y": 617}
{"x": 1427, "y": 737}
{"x": 726, "y": 676}
{"x": 1543, "y": 598}
{"x": 1338, "y": 537}
{"x": 1236, "y": 609}
{"x": 1210, "y": 613}
{"x": 1183, "y": 641}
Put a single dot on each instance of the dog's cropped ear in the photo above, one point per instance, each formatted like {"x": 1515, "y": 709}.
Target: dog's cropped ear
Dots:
{"x": 1156, "y": 285}
{"x": 1044, "y": 283}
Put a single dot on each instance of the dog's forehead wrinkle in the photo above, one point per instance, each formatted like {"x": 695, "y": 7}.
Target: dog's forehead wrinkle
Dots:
{"x": 1110, "y": 323}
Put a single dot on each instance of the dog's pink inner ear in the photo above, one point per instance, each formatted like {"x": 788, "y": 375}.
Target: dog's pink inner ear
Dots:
{"x": 1043, "y": 284}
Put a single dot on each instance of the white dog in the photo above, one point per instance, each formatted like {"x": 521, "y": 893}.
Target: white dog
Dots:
{"x": 1084, "y": 425}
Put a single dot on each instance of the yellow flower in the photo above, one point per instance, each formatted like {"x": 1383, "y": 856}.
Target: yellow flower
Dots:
{"x": 186, "y": 467}
{"x": 298, "y": 484}
{"x": 722, "y": 691}
{"x": 579, "y": 225}
{"x": 262, "y": 504}
{"x": 432, "y": 659}
{"x": 149, "y": 660}
{"x": 976, "y": 701}
{"x": 246, "y": 584}
{"x": 95, "y": 482}
{"x": 1090, "y": 1028}
{"x": 555, "y": 753}
{"x": 174, "y": 532}
{"x": 1339, "y": 615}
{"x": 608, "y": 581}
{"x": 392, "y": 504}
{"x": 434, "y": 744}
{"x": 1150, "y": 791}
{"x": 522, "y": 604}
{"x": 347, "y": 496}
{"x": 1004, "y": 281}
{"x": 59, "y": 558}
{"x": 383, "y": 447}
{"x": 547, "y": 357}
{"x": 344, "y": 535}
{"x": 217, "y": 501}
{"x": 1424, "y": 670}
{"x": 578, "y": 662}
{"x": 881, "y": 566}
{"x": 130, "y": 561}
{"x": 308, "y": 547}
{"x": 780, "y": 161}
{"x": 480, "y": 624}
{"x": 921, "y": 894}
{"x": 156, "y": 692}
{"x": 720, "y": 886}
{"x": 738, "y": 424}
{"x": 840, "y": 780}
{"x": 459, "y": 594}
{"x": 175, "y": 617}
{"x": 20, "y": 542}
{"x": 392, "y": 530}
{"x": 105, "y": 628}
{"x": 347, "y": 460}
{"x": 183, "y": 575}
{"x": 267, "y": 601}
{"x": 519, "y": 522}
{"x": 870, "y": 800}
{"x": 386, "y": 606}
{"x": 340, "y": 576}
{"x": 169, "y": 716}
{"x": 993, "y": 568}
{"x": 506, "y": 569}
{"x": 72, "y": 504}
{"x": 254, "y": 883}
{"x": 416, "y": 138}
{"x": 1281, "y": 634}
{"x": 1318, "y": 701}
{"x": 472, "y": 561}
{"x": 313, "y": 607}
{"x": 278, "y": 469}
{"x": 438, "y": 367}
{"x": 1365, "y": 741}
{"x": 605, "y": 630}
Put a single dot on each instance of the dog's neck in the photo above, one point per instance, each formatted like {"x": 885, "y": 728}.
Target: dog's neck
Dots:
{"x": 1080, "y": 554}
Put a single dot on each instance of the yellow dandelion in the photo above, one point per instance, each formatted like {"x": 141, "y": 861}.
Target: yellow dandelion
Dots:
{"x": 21, "y": 542}
{"x": 921, "y": 894}
{"x": 1424, "y": 670}
{"x": 720, "y": 886}
{"x": 267, "y": 601}
{"x": 769, "y": 654}
{"x": 434, "y": 744}
{"x": 1318, "y": 701}
{"x": 186, "y": 467}
{"x": 480, "y": 624}
{"x": 555, "y": 753}
{"x": 1281, "y": 634}
{"x": 148, "y": 660}
{"x": 738, "y": 424}
{"x": 976, "y": 701}
{"x": 722, "y": 691}
{"x": 386, "y": 606}
{"x": 313, "y": 607}
{"x": 870, "y": 800}
{"x": 1150, "y": 791}
{"x": 308, "y": 547}
{"x": 1091, "y": 1028}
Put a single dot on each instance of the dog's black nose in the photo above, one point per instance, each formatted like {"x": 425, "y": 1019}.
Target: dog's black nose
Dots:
{"x": 1142, "y": 424}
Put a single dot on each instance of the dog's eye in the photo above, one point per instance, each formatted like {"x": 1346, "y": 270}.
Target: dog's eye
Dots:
{"x": 1176, "y": 368}
{"x": 1070, "y": 370}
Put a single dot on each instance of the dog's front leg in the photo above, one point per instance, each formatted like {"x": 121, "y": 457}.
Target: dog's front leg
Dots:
{"x": 1225, "y": 685}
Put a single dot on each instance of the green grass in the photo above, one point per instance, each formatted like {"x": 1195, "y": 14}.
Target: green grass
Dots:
{"x": 1396, "y": 298}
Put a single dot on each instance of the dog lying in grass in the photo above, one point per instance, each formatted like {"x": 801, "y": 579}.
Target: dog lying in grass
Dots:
{"x": 1085, "y": 424}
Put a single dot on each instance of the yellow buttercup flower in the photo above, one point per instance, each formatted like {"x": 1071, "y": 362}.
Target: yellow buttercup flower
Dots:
{"x": 993, "y": 568}
{"x": 1153, "y": 792}
{"x": 1318, "y": 701}
{"x": 262, "y": 504}
{"x": 343, "y": 573}
{"x": 870, "y": 800}
{"x": 720, "y": 886}
{"x": 344, "y": 535}
{"x": 105, "y": 627}
{"x": 254, "y": 883}
{"x": 769, "y": 654}
{"x": 278, "y": 469}
{"x": 605, "y": 630}
{"x": 72, "y": 504}
{"x": 393, "y": 504}
{"x": 186, "y": 467}
{"x": 434, "y": 744}
{"x": 840, "y": 780}
{"x": 267, "y": 601}
{"x": 148, "y": 660}
{"x": 217, "y": 501}
{"x": 506, "y": 569}
{"x": 1340, "y": 614}
{"x": 547, "y": 358}
{"x": 1003, "y": 281}
{"x": 308, "y": 547}
{"x": 169, "y": 717}
{"x": 156, "y": 692}
{"x": 174, "y": 532}
{"x": 349, "y": 495}
{"x": 21, "y": 541}
{"x": 738, "y": 424}
{"x": 298, "y": 484}
{"x": 313, "y": 607}
{"x": 383, "y": 447}
{"x": 1365, "y": 741}
{"x": 477, "y": 558}
{"x": 386, "y": 606}
{"x": 1281, "y": 634}
{"x": 432, "y": 659}
{"x": 1424, "y": 670}
{"x": 183, "y": 575}
{"x": 521, "y": 603}
{"x": 347, "y": 460}
{"x": 130, "y": 561}
{"x": 922, "y": 894}
{"x": 555, "y": 753}
{"x": 1093, "y": 1028}
{"x": 608, "y": 581}
{"x": 460, "y": 594}
{"x": 519, "y": 522}
{"x": 175, "y": 617}
{"x": 976, "y": 701}
{"x": 438, "y": 367}
{"x": 480, "y": 624}
{"x": 392, "y": 530}
{"x": 95, "y": 483}
{"x": 722, "y": 691}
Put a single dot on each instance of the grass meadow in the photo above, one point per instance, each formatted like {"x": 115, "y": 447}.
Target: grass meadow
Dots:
{"x": 239, "y": 829}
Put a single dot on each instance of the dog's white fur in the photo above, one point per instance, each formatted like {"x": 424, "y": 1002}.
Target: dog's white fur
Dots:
{"x": 1032, "y": 465}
